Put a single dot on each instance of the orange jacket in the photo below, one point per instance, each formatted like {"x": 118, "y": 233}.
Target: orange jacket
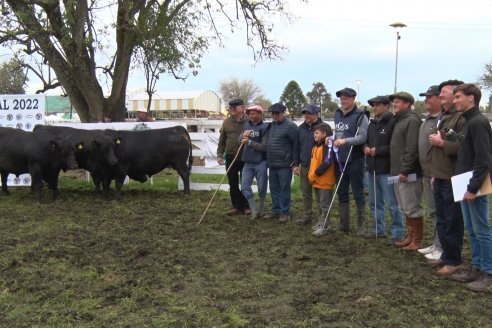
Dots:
{"x": 321, "y": 173}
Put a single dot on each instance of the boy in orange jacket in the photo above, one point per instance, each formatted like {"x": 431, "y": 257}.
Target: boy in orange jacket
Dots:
{"x": 322, "y": 176}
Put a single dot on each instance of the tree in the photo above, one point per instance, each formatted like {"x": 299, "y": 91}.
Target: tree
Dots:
{"x": 294, "y": 99}
{"x": 12, "y": 77}
{"x": 233, "y": 88}
{"x": 485, "y": 81}
{"x": 320, "y": 96}
{"x": 87, "y": 51}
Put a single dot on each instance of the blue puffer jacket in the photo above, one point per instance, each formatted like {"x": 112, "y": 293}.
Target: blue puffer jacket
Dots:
{"x": 283, "y": 144}
{"x": 306, "y": 142}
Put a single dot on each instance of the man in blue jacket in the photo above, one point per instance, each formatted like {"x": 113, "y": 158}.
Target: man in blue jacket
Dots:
{"x": 306, "y": 143}
{"x": 282, "y": 158}
{"x": 254, "y": 158}
{"x": 350, "y": 136}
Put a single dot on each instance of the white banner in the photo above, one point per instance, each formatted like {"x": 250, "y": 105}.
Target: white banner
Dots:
{"x": 21, "y": 112}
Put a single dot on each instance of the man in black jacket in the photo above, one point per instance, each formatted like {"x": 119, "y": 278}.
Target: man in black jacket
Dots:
{"x": 377, "y": 151}
{"x": 475, "y": 154}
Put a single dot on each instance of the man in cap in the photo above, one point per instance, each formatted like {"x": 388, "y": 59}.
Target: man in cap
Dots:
{"x": 350, "y": 136}
{"x": 428, "y": 127}
{"x": 405, "y": 166}
{"x": 306, "y": 143}
{"x": 254, "y": 158}
{"x": 142, "y": 116}
{"x": 228, "y": 146}
{"x": 377, "y": 151}
{"x": 441, "y": 160}
{"x": 282, "y": 158}
{"x": 475, "y": 154}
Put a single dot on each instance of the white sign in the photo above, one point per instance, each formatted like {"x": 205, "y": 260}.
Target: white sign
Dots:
{"x": 21, "y": 112}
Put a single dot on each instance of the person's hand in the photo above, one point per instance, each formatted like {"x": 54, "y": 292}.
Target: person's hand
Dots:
{"x": 372, "y": 151}
{"x": 220, "y": 160}
{"x": 340, "y": 142}
{"x": 367, "y": 151}
{"x": 403, "y": 178}
{"x": 245, "y": 141}
{"x": 295, "y": 170}
{"x": 469, "y": 197}
{"x": 246, "y": 133}
{"x": 432, "y": 183}
{"x": 436, "y": 140}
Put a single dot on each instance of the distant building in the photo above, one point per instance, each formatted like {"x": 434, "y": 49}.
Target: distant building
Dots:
{"x": 181, "y": 103}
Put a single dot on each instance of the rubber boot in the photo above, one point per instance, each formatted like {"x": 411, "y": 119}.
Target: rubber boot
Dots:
{"x": 418, "y": 234}
{"x": 361, "y": 220}
{"x": 252, "y": 207}
{"x": 261, "y": 206}
{"x": 344, "y": 212}
{"x": 409, "y": 238}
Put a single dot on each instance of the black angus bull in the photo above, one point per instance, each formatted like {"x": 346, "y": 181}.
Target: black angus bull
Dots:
{"x": 142, "y": 154}
{"x": 41, "y": 154}
{"x": 94, "y": 151}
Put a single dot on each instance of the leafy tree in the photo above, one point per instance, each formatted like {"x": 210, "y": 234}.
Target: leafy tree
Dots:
{"x": 246, "y": 90}
{"x": 485, "y": 81}
{"x": 91, "y": 46}
{"x": 12, "y": 77}
{"x": 320, "y": 96}
{"x": 294, "y": 99}
{"x": 420, "y": 107}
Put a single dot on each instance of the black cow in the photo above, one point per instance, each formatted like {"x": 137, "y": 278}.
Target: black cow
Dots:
{"x": 41, "y": 154}
{"x": 94, "y": 151}
{"x": 142, "y": 154}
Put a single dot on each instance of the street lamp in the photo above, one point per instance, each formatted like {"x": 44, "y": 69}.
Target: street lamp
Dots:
{"x": 398, "y": 27}
{"x": 358, "y": 88}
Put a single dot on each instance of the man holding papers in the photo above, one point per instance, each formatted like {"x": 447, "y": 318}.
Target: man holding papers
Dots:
{"x": 404, "y": 156}
{"x": 475, "y": 154}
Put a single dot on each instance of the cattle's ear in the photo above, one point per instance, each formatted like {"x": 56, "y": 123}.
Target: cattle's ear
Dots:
{"x": 117, "y": 141}
{"x": 95, "y": 143}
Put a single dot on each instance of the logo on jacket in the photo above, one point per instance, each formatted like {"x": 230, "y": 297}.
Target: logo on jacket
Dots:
{"x": 340, "y": 126}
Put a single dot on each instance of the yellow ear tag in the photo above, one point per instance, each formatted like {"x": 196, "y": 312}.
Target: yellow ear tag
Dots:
{"x": 118, "y": 141}
{"x": 80, "y": 146}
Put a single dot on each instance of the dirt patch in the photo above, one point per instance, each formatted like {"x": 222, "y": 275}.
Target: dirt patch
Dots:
{"x": 144, "y": 262}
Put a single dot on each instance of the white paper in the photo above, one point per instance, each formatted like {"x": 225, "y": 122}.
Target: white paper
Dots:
{"x": 461, "y": 181}
{"x": 396, "y": 178}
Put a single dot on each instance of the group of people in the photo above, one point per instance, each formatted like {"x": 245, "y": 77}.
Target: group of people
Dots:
{"x": 402, "y": 158}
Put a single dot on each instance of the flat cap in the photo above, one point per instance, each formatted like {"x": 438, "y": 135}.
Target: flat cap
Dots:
{"x": 236, "y": 102}
{"x": 311, "y": 109}
{"x": 277, "y": 108}
{"x": 379, "y": 100}
{"x": 254, "y": 107}
{"x": 433, "y": 90}
{"x": 405, "y": 96}
{"x": 347, "y": 92}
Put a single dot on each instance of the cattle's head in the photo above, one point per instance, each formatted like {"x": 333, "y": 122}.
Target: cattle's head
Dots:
{"x": 105, "y": 149}
{"x": 63, "y": 154}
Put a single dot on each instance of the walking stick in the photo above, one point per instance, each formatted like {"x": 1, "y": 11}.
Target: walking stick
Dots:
{"x": 220, "y": 184}
{"x": 375, "y": 202}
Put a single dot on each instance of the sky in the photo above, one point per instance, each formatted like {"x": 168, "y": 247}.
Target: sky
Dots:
{"x": 341, "y": 42}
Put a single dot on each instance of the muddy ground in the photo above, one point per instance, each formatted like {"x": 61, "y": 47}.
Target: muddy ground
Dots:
{"x": 85, "y": 261}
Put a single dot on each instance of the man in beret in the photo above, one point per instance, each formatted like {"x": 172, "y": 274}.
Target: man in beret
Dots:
{"x": 377, "y": 151}
{"x": 441, "y": 159}
{"x": 282, "y": 159}
{"x": 306, "y": 143}
{"x": 227, "y": 149}
{"x": 428, "y": 127}
{"x": 350, "y": 136}
{"x": 405, "y": 165}
{"x": 254, "y": 158}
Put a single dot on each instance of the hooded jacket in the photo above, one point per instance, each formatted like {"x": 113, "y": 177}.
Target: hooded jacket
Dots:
{"x": 404, "y": 152}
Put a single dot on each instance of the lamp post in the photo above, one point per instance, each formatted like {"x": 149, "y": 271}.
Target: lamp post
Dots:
{"x": 358, "y": 88}
{"x": 398, "y": 27}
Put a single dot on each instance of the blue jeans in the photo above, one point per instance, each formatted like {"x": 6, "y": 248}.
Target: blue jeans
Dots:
{"x": 476, "y": 219}
{"x": 280, "y": 179}
{"x": 381, "y": 193}
{"x": 250, "y": 172}
{"x": 353, "y": 175}
{"x": 449, "y": 222}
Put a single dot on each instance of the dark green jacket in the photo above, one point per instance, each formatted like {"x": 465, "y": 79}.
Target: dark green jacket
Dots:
{"x": 404, "y": 150}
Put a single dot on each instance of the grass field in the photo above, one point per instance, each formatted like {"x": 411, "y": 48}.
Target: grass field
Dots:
{"x": 85, "y": 261}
